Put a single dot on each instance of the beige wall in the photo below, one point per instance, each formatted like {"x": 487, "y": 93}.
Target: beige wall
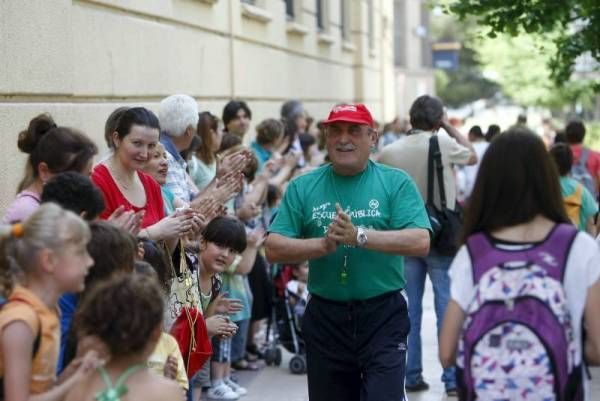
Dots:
{"x": 80, "y": 59}
{"x": 413, "y": 77}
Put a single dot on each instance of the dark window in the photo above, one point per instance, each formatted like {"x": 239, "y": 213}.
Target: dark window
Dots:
{"x": 289, "y": 9}
{"x": 320, "y": 22}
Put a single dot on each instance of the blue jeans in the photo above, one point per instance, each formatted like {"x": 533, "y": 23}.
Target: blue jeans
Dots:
{"x": 238, "y": 341}
{"x": 416, "y": 270}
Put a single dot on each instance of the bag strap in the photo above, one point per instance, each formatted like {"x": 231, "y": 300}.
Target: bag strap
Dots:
{"x": 430, "y": 171}
{"x": 435, "y": 160}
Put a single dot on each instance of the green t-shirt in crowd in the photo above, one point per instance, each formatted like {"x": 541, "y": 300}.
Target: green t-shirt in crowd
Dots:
{"x": 589, "y": 207}
{"x": 380, "y": 198}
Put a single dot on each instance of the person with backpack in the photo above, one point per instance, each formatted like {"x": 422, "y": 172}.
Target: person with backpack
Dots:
{"x": 586, "y": 162}
{"x": 579, "y": 202}
{"x": 40, "y": 260}
{"x": 525, "y": 285}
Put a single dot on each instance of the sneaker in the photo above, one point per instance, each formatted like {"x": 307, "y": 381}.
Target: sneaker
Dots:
{"x": 418, "y": 386}
{"x": 239, "y": 390}
{"x": 222, "y": 392}
{"x": 452, "y": 392}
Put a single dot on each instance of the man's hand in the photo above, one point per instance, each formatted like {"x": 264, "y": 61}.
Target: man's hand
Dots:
{"x": 341, "y": 229}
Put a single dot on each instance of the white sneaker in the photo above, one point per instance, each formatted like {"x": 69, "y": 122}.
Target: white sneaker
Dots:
{"x": 239, "y": 390}
{"x": 222, "y": 392}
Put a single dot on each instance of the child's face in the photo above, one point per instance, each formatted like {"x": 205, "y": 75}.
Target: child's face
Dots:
{"x": 72, "y": 263}
{"x": 215, "y": 258}
{"x": 301, "y": 273}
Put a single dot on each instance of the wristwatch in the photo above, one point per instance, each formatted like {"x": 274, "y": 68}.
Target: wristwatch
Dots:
{"x": 361, "y": 236}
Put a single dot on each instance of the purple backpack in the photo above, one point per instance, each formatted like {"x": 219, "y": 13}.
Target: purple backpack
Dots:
{"x": 517, "y": 342}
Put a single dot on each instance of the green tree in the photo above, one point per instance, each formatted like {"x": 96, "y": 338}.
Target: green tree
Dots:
{"x": 573, "y": 26}
{"x": 520, "y": 66}
{"x": 466, "y": 84}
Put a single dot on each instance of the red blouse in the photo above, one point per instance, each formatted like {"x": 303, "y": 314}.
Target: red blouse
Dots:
{"x": 113, "y": 197}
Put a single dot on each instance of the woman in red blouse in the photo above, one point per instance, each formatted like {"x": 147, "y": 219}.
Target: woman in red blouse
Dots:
{"x": 123, "y": 184}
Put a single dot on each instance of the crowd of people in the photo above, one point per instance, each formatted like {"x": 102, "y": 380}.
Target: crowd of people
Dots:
{"x": 161, "y": 254}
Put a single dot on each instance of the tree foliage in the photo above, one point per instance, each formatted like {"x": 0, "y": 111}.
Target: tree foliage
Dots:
{"x": 572, "y": 25}
{"x": 520, "y": 66}
{"x": 466, "y": 84}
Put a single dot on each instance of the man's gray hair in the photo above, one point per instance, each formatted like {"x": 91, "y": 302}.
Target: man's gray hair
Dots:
{"x": 176, "y": 113}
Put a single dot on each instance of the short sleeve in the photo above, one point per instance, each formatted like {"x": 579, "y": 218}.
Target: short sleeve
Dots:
{"x": 19, "y": 311}
{"x": 408, "y": 209}
{"x": 22, "y": 207}
{"x": 460, "y": 272}
{"x": 592, "y": 265}
{"x": 288, "y": 221}
{"x": 182, "y": 378}
{"x": 456, "y": 153}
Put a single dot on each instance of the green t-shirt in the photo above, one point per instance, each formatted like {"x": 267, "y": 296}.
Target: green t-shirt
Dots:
{"x": 589, "y": 207}
{"x": 381, "y": 198}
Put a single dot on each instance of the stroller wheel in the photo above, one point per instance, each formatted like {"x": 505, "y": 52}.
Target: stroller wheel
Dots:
{"x": 298, "y": 364}
{"x": 278, "y": 357}
{"x": 270, "y": 356}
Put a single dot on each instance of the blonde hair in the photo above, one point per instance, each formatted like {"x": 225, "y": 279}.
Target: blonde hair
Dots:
{"x": 48, "y": 227}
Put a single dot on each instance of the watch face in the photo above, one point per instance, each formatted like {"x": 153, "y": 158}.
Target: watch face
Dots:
{"x": 362, "y": 238}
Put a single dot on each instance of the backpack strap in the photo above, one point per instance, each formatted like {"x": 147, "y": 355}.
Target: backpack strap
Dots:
{"x": 552, "y": 254}
{"x": 483, "y": 255}
{"x": 585, "y": 152}
{"x": 435, "y": 161}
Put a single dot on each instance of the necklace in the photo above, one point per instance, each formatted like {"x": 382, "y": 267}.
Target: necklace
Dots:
{"x": 344, "y": 269}
{"x": 117, "y": 177}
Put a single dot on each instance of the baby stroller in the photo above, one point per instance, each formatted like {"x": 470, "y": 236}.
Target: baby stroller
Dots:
{"x": 283, "y": 326}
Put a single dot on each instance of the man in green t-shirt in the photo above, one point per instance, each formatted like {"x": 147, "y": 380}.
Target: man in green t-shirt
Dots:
{"x": 354, "y": 220}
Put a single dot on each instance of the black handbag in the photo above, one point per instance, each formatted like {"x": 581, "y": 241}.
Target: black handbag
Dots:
{"x": 446, "y": 223}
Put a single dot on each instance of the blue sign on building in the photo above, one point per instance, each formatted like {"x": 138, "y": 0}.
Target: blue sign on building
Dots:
{"x": 446, "y": 55}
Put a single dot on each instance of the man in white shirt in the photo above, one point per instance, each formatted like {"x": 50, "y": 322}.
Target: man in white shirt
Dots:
{"x": 411, "y": 155}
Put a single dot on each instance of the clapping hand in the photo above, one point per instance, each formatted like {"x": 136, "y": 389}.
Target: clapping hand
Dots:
{"x": 227, "y": 306}
{"x": 341, "y": 229}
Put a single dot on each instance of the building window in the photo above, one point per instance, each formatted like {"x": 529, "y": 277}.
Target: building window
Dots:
{"x": 249, "y": 2}
{"x": 370, "y": 21}
{"x": 290, "y": 12}
{"x": 320, "y": 22}
{"x": 400, "y": 33}
{"x": 426, "y": 52}
{"x": 345, "y": 19}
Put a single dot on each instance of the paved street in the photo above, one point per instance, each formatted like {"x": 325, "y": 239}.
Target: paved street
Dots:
{"x": 278, "y": 384}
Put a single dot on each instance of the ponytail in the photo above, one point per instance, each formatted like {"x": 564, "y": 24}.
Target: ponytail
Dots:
{"x": 7, "y": 263}
{"x": 48, "y": 227}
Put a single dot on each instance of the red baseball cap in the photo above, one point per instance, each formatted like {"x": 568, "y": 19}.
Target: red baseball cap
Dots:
{"x": 350, "y": 113}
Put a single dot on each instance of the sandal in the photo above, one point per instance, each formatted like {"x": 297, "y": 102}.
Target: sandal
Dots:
{"x": 254, "y": 353}
{"x": 243, "y": 364}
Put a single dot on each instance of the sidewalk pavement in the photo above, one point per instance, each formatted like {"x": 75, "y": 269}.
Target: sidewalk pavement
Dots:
{"x": 278, "y": 384}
